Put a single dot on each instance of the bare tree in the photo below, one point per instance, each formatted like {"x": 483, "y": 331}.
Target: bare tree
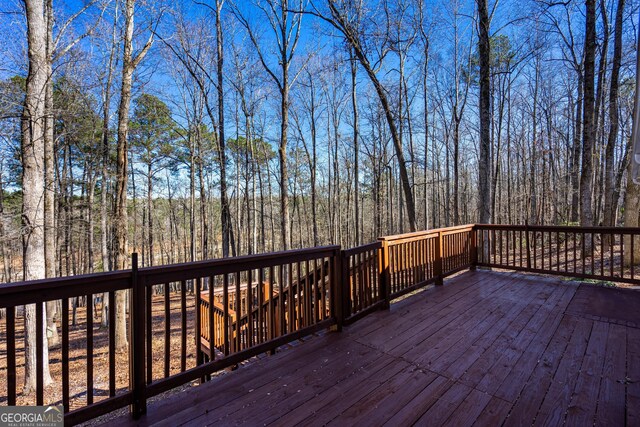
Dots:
{"x": 285, "y": 22}
{"x": 33, "y": 179}
{"x": 610, "y": 205}
{"x": 588, "y": 134}
{"x": 346, "y": 17}
{"x": 104, "y": 164}
{"x": 484, "y": 167}
{"x": 129, "y": 64}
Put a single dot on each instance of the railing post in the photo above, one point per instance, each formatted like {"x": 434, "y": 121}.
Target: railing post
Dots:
{"x": 526, "y": 233}
{"x": 437, "y": 265}
{"x": 384, "y": 274}
{"x": 346, "y": 284}
{"x": 474, "y": 248}
{"x": 137, "y": 343}
{"x": 336, "y": 289}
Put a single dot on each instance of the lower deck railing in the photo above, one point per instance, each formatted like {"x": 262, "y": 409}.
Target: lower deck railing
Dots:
{"x": 185, "y": 322}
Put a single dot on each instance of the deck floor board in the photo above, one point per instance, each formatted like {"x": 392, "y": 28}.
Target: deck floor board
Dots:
{"x": 487, "y": 348}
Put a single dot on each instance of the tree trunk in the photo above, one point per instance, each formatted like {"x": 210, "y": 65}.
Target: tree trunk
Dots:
{"x": 90, "y": 221}
{"x": 150, "y": 251}
{"x": 576, "y": 156}
{"x": 313, "y": 167}
{"x": 49, "y": 180}
{"x": 121, "y": 224}
{"x": 104, "y": 174}
{"x": 611, "y": 205}
{"x": 533, "y": 214}
{"x": 224, "y": 203}
{"x": 285, "y": 225}
{"x": 33, "y": 125}
{"x": 484, "y": 197}
{"x": 356, "y": 160}
{"x": 588, "y": 135}
{"x": 456, "y": 170}
{"x": 588, "y": 131}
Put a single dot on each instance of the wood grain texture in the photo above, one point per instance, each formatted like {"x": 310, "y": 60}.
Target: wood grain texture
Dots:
{"x": 487, "y": 348}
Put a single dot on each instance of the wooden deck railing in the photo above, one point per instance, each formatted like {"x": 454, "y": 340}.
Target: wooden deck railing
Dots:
{"x": 158, "y": 323}
{"x": 228, "y": 310}
{"x": 414, "y": 260}
{"x": 363, "y": 285}
{"x": 15, "y": 296}
{"x": 249, "y": 327}
{"x": 599, "y": 253}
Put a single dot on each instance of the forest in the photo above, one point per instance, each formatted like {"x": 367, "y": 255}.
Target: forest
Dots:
{"x": 201, "y": 129}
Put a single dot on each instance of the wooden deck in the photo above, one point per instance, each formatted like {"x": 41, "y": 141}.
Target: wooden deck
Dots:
{"x": 487, "y": 348}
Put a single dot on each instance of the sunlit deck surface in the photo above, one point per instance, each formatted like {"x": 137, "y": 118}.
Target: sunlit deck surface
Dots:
{"x": 487, "y": 348}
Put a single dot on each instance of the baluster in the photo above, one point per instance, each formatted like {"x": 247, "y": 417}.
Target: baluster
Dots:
{"x": 542, "y": 249}
{"x": 65, "y": 352}
{"x": 593, "y": 248}
{"x": 520, "y": 245}
{"x": 622, "y": 255}
{"x": 112, "y": 340}
{"x": 183, "y": 318}
{"x": 507, "y": 246}
{"x": 89, "y": 308}
{"x": 281, "y": 300}
{"x": 225, "y": 315}
{"x": 167, "y": 330}
{"x": 249, "y": 301}
{"x": 299, "y": 307}
{"x": 272, "y": 315}
{"x": 632, "y": 254}
{"x": 149, "y": 330}
{"x": 261, "y": 319}
{"x": 323, "y": 282}
{"x": 11, "y": 359}
{"x": 307, "y": 294}
{"x": 613, "y": 241}
{"x": 502, "y": 247}
{"x": 362, "y": 301}
{"x": 39, "y": 355}
{"x": 566, "y": 252}
{"x": 238, "y": 313}
{"x": 291, "y": 300}
{"x": 212, "y": 322}
{"x": 575, "y": 256}
{"x": 583, "y": 252}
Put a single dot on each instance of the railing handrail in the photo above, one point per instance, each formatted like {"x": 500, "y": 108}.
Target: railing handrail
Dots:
{"x": 63, "y": 281}
{"x": 560, "y": 228}
{"x": 165, "y": 273}
{"x": 35, "y": 291}
{"x": 362, "y": 248}
{"x": 422, "y": 233}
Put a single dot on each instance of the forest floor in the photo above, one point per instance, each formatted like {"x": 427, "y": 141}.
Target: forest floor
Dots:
{"x": 78, "y": 355}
